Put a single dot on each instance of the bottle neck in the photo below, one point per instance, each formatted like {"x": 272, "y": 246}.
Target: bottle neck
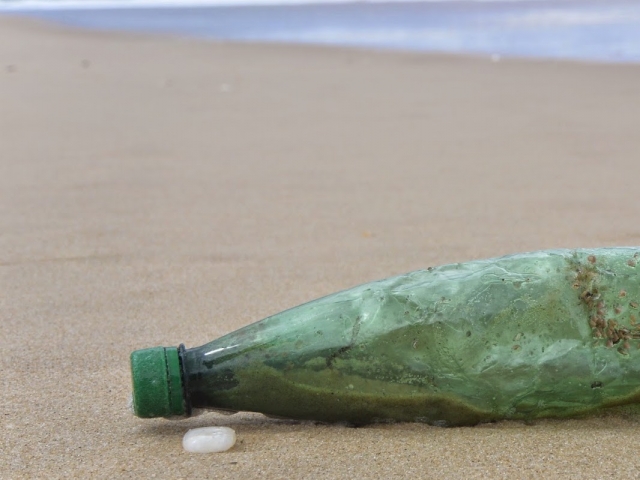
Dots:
{"x": 186, "y": 396}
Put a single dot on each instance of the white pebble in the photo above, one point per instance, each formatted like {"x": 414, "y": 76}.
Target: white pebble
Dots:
{"x": 209, "y": 439}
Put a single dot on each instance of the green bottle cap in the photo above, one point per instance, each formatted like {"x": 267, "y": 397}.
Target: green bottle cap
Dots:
{"x": 157, "y": 383}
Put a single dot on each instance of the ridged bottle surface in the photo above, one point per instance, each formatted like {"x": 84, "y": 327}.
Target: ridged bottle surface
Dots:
{"x": 545, "y": 334}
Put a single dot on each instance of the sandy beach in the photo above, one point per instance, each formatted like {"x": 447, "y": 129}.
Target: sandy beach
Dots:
{"x": 157, "y": 191}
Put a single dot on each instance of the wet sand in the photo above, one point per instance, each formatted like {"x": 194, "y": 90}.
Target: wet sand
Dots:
{"x": 157, "y": 191}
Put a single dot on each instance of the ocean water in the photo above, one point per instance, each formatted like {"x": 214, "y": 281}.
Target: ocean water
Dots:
{"x": 587, "y": 30}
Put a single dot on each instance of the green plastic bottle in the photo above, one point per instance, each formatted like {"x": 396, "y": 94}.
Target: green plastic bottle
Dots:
{"x": 545, "y": 334}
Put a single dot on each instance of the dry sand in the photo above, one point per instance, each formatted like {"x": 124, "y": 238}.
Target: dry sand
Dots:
{"x": 155, "y": 191}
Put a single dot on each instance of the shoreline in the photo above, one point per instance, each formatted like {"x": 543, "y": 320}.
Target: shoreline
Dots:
{"x": 597, "y": 31}
{"x": 27, "y": 21}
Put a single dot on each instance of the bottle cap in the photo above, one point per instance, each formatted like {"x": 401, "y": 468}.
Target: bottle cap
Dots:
{"x": 157, "y": 382}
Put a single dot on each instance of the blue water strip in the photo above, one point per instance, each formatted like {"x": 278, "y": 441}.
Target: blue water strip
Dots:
{"x": 595, "y": 30}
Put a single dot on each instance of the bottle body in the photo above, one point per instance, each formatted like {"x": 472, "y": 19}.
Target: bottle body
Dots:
{"x": 545, "y": 334}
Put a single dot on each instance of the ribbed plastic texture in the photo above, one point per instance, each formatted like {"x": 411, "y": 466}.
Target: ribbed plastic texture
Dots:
{"x": 157, "y": 382}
